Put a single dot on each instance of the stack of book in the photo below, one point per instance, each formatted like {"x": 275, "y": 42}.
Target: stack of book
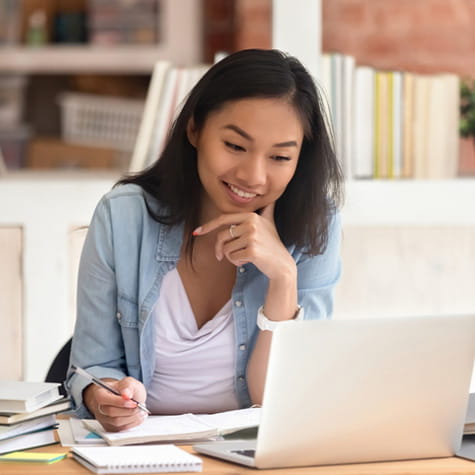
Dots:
{"x": 129, "y": 22}
{"x": 28, "y": 414}
{"x": 392, "y": 124}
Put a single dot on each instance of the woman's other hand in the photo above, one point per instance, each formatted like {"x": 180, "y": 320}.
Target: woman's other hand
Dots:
{"x": 251, "y": 237}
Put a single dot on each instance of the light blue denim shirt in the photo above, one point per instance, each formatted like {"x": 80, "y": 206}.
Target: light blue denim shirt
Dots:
{"x": 125, "y": 257}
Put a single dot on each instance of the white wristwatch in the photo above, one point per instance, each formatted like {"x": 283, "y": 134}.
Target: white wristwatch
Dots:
{"x": 270, "y": 325}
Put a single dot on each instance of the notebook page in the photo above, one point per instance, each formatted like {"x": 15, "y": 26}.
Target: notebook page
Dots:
{"x": 230, "y": 421}
{"x": 155, "y": 428}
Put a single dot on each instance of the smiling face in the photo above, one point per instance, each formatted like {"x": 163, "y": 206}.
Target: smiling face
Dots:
{"x": 247, "y": 153}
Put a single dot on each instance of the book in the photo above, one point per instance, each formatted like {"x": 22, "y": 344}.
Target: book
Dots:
{"x": 397, "y": 125}
{"x": 28, "y": 441}
{"x": 363, "y": 120}
{"x": 147, "y": 126}
{"x": 347, "y": 93}
{"x": 71, "y": 431}
{"x": 82, "y": 435}
{"x": 25, "y": 396}
{"x": 442, "y": 127}
{"x": 422, "y": 88}
{"x": 32, "y": 457}
{"x": 383, "y": 124}
{"x": 407, "y": 170}
{"x": 184, "y": 427}
{"x": 137, "y": 459}
{"x": 469, "y": 427}
{"x": 6, "y": 432}
{"x": 3, "y": 166}
{"x": 60, "y": 405}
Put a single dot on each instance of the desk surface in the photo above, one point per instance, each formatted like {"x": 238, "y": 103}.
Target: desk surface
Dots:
{"x": 443, "y": 466}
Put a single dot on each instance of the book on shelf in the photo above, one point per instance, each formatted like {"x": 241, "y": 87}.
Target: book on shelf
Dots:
{"x": 397, "y": 125}
{"x": 3, "y": 166}
{"x": 469, "y": 427}
{"x": 410, "y": 120}
{"x": 26, "y": 396}
{"x": 408, "y": 80}
{"x": 142, "y": 148}
{"x": 184, "y": 427}
{"x": 363, "y": 119}
{"x": 29, "y": 440}
{"x": 60, "y": 405}
{"x": 137, "y": 459}
{"x": 168, "y": 88}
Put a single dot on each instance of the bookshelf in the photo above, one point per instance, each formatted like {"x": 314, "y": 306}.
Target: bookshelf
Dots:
{"x": 182, "y": 49}
{"x": 374, "y": 201}
{"x": 46, "y": 207}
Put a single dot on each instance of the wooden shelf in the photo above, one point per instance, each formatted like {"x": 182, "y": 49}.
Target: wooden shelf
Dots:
{"x": 77, "y": 59}
{"x": 181, "y": 31}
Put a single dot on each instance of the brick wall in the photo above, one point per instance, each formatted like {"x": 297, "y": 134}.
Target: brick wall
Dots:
{"x": 253, "y": 24}
{"x": 418, "y": 35}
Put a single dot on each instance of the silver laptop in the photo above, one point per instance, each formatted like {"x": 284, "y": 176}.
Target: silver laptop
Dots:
{"x": 344, "y": 391}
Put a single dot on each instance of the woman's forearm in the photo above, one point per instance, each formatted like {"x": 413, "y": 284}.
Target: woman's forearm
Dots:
{"x": 280, "y": 305}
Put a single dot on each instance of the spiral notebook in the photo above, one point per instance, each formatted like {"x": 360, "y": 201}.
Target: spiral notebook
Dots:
{"x": 137, "y": 459}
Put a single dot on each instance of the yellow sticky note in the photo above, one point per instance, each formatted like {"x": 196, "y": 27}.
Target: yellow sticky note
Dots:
{"x": 32, "y": 457}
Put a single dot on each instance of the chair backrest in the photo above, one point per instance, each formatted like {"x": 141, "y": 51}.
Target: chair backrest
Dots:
{"x": 59, "y": 367}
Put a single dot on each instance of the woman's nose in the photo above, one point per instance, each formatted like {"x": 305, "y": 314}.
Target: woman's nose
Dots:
{"x": 252, "y": 171}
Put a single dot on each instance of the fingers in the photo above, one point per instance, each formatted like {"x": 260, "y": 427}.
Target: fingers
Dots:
{"x": 130, "y": 388}
{"x": 117, "y": 413}
{"x": 220, "y": 221}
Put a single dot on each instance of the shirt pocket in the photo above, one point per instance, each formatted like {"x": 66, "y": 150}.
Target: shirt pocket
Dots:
{"x": 127, "y": 316}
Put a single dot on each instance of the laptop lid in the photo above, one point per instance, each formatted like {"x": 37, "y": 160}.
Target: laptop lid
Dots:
{"x": 344, "y": 391}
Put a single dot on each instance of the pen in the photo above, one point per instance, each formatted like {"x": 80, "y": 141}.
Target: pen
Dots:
{"x": 100, "y": 383}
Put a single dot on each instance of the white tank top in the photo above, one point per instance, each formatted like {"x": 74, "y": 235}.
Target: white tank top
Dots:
{"x": 194, "y": 368}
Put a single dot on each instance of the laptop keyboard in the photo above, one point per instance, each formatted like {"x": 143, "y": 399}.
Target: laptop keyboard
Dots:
{"x": 247, "y": 453}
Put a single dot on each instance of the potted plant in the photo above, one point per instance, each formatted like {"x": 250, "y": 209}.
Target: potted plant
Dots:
{"x": 467, "y": 127}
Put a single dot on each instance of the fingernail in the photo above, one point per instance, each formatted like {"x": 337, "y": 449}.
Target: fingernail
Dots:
{"x": 130, "y": 404}
{"x": 197, "y": 231}
{"x": 219, "y": 257}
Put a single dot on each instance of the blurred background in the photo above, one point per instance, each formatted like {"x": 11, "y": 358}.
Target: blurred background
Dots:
{"x": 88, "y": 89}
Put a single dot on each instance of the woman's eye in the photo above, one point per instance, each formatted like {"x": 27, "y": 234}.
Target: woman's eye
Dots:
{"x": 280, "y": 158}
{"x": 234, "y": 147}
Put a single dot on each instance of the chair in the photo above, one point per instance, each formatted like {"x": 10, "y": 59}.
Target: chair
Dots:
{"x": 59, "y": 367}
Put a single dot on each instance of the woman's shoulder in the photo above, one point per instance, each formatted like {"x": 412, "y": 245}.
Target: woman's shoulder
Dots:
{"x": 130, "y": 194}
{"x": 125, "y": 191}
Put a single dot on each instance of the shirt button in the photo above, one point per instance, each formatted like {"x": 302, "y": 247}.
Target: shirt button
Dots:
{"x": 242, "y": 269}
{"x": 118, "y": 315}
{"x": 242, "y": 347}
{"x": 238, "y": 303}
{"x": 241, "y": 379}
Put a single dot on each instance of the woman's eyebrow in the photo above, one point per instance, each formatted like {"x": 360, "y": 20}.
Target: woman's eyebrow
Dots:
{"x": 242, "y": 133}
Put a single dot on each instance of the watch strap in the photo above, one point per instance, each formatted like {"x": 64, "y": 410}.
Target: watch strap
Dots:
{"x": 270, "y": 325}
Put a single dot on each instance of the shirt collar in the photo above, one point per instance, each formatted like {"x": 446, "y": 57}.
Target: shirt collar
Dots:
{"x": 170, "y": 239}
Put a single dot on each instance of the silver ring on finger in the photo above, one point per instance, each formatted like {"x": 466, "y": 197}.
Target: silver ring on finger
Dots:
{"x": 231, "y": 232}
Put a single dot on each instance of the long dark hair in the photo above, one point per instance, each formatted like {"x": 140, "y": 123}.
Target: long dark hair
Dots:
{"x": 303, "y": 211}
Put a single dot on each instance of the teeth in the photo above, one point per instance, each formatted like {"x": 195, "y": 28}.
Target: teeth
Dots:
{"x": 241, "y": 193}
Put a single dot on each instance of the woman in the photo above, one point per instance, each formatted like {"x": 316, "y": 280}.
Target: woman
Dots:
{"x": 236, "y": 219}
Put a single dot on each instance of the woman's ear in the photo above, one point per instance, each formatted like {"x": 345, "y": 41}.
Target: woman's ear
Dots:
{"x": 191, "y": 132}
